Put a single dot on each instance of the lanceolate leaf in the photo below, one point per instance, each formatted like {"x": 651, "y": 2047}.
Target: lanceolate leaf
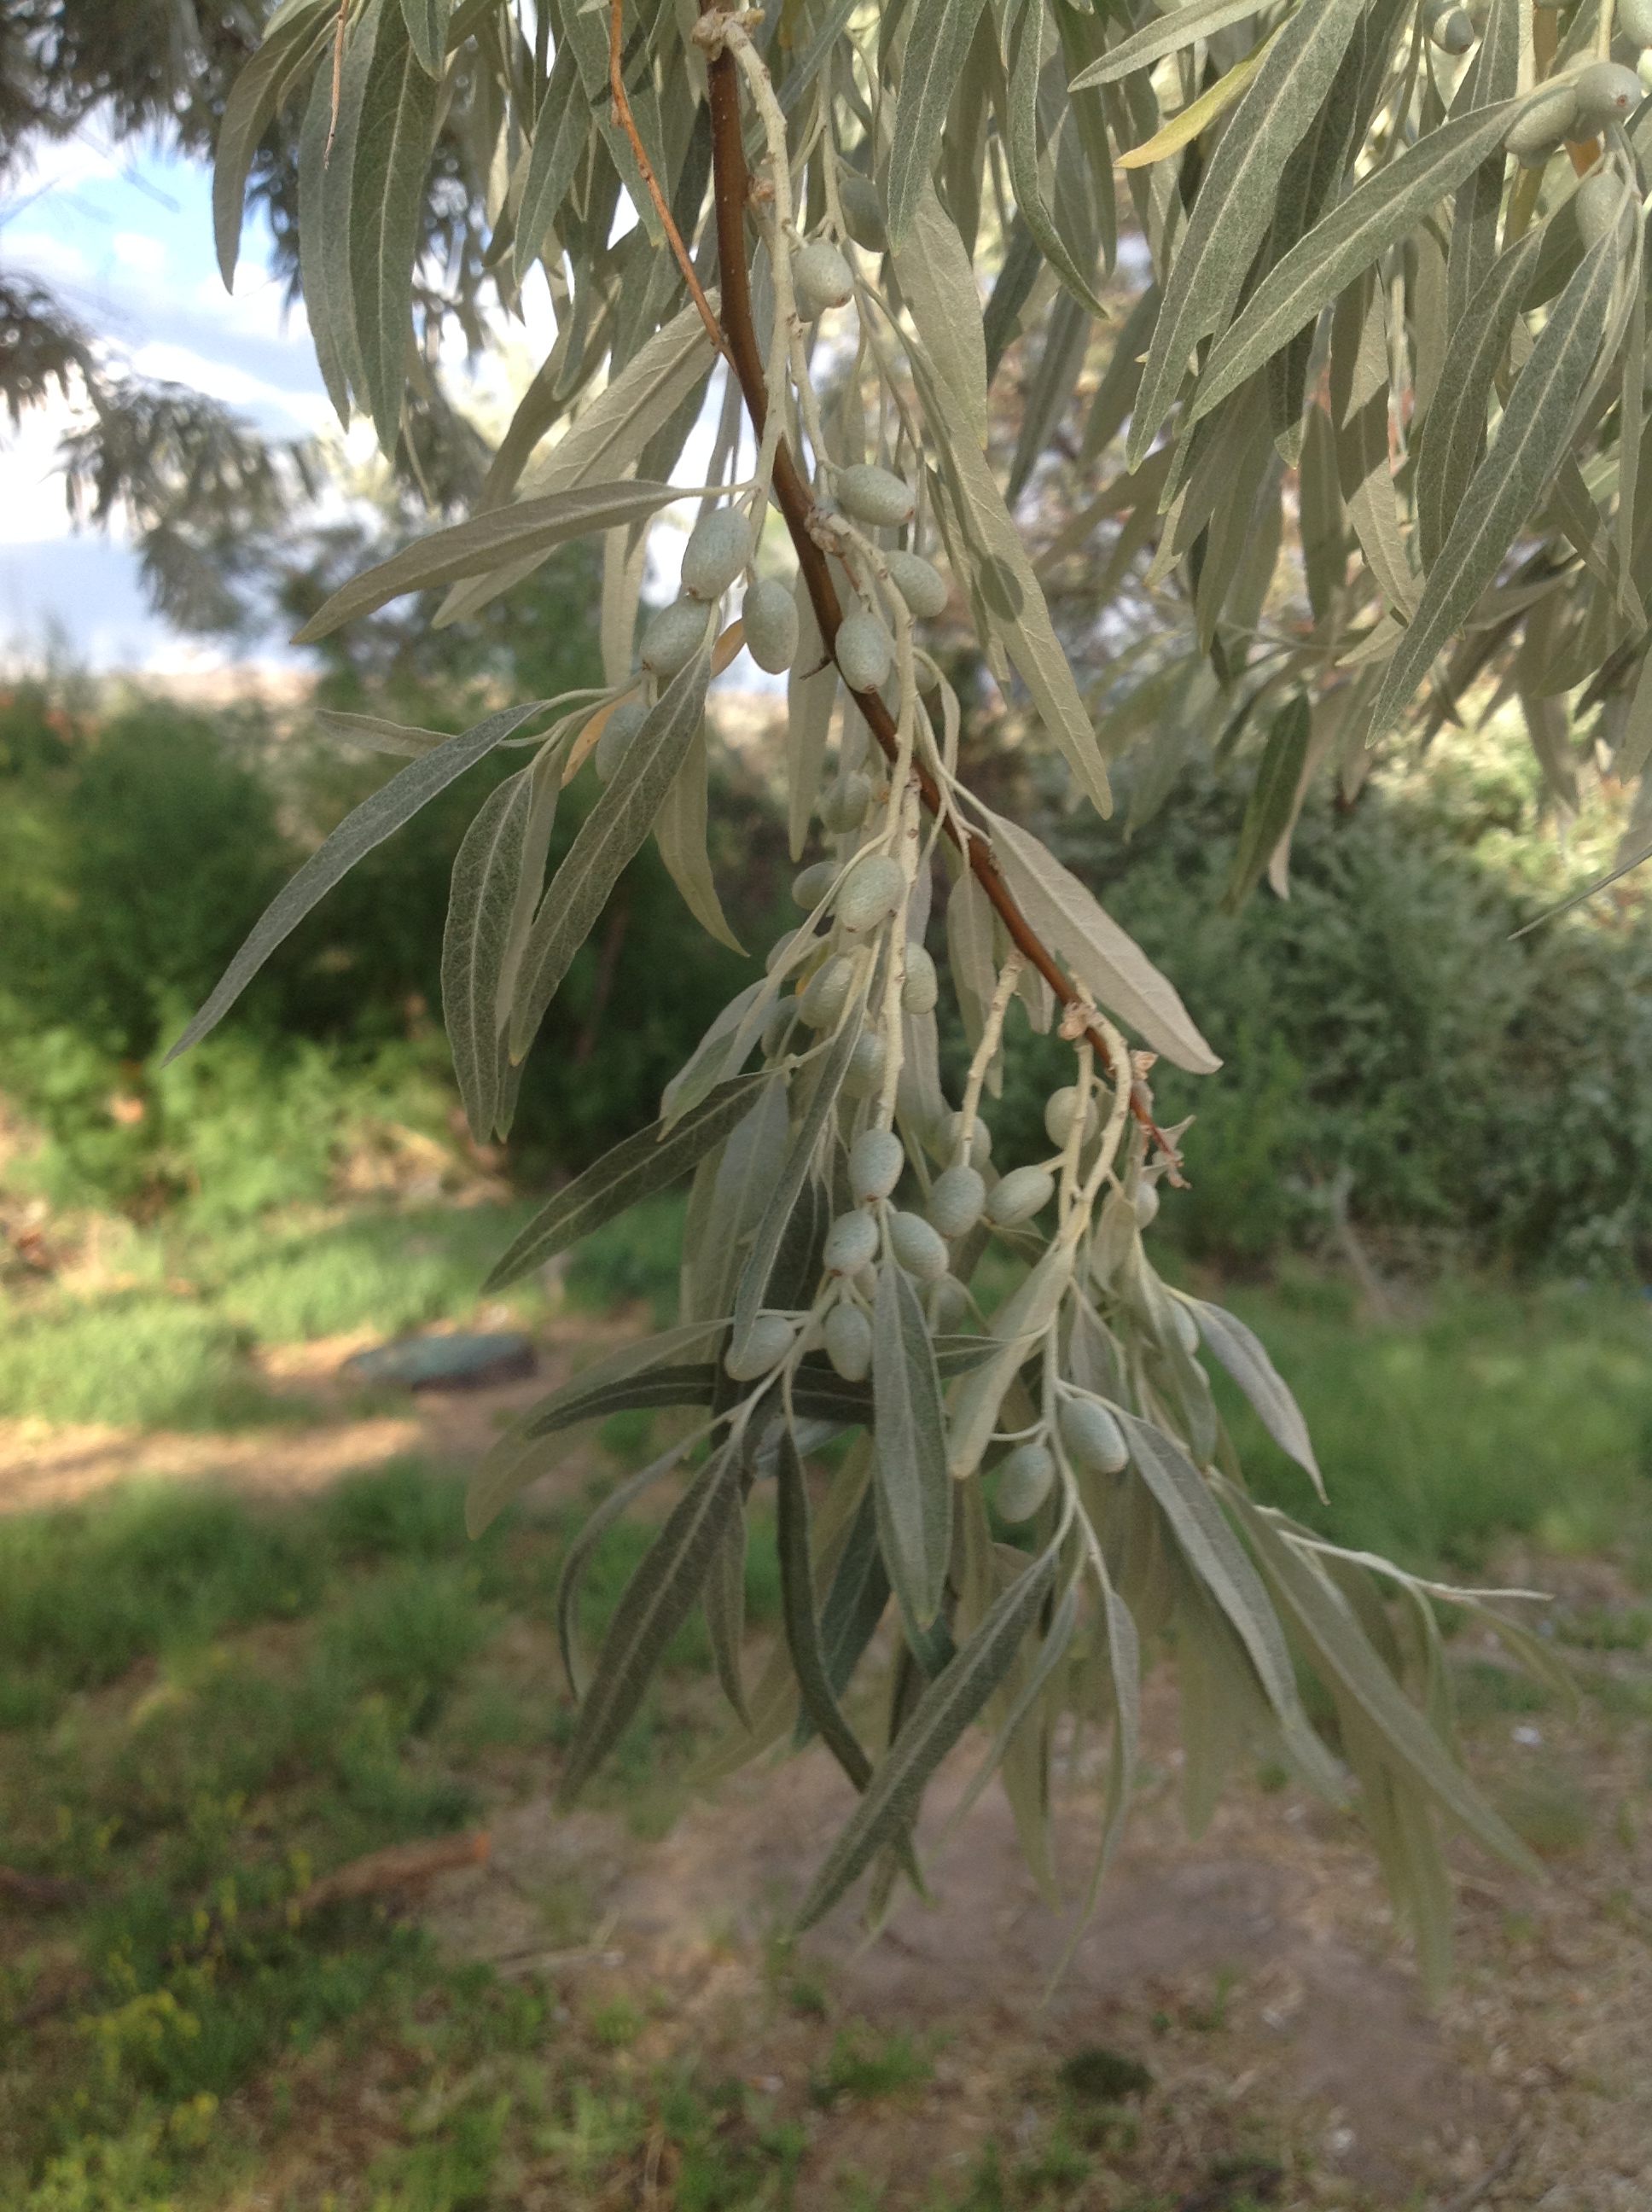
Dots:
{"x": 610, "y": 834}
{"x": 913, "y": 1489}
{"x": 1212, "y": 1552}
{"x": 652, "y": 1159}
{"x": 1341, "y": 1647}
{"x": 802, "y": 1634}
{"x": 1453, "y": 435}
{"x": 470, "y": 549}
{"x": 288, "y": 50}
{"x": 1244, "y": 1355}
{"x": 1026, "y": 21}
{"x": 1235, "y": 202}
{"x": 1530, "y": 441}
{"x": 560, "y": 134}
{"x": 948, "y": 1705}
{"x": 390, "y": 154}
{"x": 1176, "y": 29}
{"x": 1378, "y": 210}
{"x": 1199, "y": 114}
{"x": 1273, "y": 800}
{"x": 937, "y": 281}
{"x": 373, "y": 821}
{"x": 937, "y": 39}
{"x": 789, "y": 1189}
{"x": 487, "y": 870}
{"x": 427, "y": 29}
{"x": 577, "y": 1558}
{"x": 656, "y": 1602}
{"x": 1096, "y": 949}
{"x": 680, "y": 832}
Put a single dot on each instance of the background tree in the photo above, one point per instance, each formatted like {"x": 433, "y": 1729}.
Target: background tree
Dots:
{"x": 1360, "y": 341}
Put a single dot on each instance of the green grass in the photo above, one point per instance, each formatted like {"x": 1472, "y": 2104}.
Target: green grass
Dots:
{"x": 217, "y": 1700}
{"x": 1497, "y": 1412}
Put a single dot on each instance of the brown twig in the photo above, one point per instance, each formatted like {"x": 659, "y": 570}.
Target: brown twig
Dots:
{"x": 626, "y": 122}
{"x": 732, "y": 184}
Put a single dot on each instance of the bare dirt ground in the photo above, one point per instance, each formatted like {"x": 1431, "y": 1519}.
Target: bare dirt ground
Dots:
{"x": 1256, "y": 1973}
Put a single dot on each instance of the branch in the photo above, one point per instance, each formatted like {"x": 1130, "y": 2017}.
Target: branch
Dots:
{"x": 623, "y": 117}
{"x": 732, "y": 184}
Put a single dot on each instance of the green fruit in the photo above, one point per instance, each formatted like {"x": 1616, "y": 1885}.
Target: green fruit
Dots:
{"x": 955, "y": 1201}
{"x": 673, "y": 636}
{"x": 766, "y": 1345}
{"x": 1059, "y": 1109}
{"x": 1453, "y": 32}
{"x": 1543, "y": 123}
{"x": 919, "y": 1247}
{"x": 1635, "y": 21}
{"x": 618, "y": 732}
{"x": 922, "y": 588}
{"x": 875, "y": 496}
{"x": 1606, "y": 93}
{"x": 820, "y": 278}
{"x": 1600, "y": 202}
{"x": 826, "y": 993}
{"x": 848, "y": 1342}
{"x": 775, "y": 1028}
{"x": 1094, "y": 1440}
{"x": 947, "y": 1302}
{"x": 1022, "y": 1193}
{"x": 1146, "y": 1205}
{"x": 863, "y": 212}
{"x": 843, "y": 807}
{"x": 718, "y": 548}
{"x": 809, "y": 888}
{"x": 872, "y": 891}
{"x": 1024, "y": 1482}
{"x": 864, "y": 1072}
{"x": 865, "y": 653}
{"x": 920, "y": 987}
{"x": 769, "y": 615}
{"x": 876, "y": 1158}
{"x": 851, "y": 1244}
{"x": 980, "y": 1140}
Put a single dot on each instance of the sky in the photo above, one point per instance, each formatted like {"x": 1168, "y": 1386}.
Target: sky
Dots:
{"x": 123, "y": 237}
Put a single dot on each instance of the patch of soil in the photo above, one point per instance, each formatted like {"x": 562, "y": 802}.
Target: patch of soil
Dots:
{"x": 45, "y": 1464}
{"x": 1257, "y": 1973}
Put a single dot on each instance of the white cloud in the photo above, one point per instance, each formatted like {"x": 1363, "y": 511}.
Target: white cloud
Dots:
{"x": 137, "y": 250}
{"x": 221, "y": 380}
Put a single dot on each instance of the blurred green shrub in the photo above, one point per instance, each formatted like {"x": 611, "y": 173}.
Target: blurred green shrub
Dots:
{"x": 1487, "y": 1100}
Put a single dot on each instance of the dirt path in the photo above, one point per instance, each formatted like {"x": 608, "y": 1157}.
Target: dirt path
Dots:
{"x": 1257, "y": 1973}
{"x": 43, "y": 1464}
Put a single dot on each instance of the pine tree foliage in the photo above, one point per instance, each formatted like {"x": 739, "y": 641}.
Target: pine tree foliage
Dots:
{"x": 1389, "y": 321}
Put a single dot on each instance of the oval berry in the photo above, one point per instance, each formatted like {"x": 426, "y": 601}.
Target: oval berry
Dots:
{"x": 851, "y": 1244}
{"x": 1606, "y": 93}
{"x": 922, "y": 586}
{"x": 766, "y": 1344}
{"x": 769, "y": 614}
{"x": 920, "y": 987}
{"x": 955, "y": 1201}
{"x": 1024, "y": 1481}
{"x": 865, "y": 653}
{"x": 673, "y": 636}
{"x": 820, "y": 278}
{"x": 1023, "y": 1193}
{"x": 875, "y": 496}
{"x": 920, "y": 1248}
{"x": 718, "y": 548}
{"x": 1093, "y": 1439}
{"x": 872, "y": 891}
{"x": 876, "y": 1158}
{"x": 864, "y": 1072}
{"x": 826, "y": 993}
{"x": 848, "y": 1342}
{"x": 618, "y": 732}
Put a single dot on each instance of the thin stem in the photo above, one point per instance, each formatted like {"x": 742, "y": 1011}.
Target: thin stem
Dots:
{"x": 626, "y": 122}
{"x": 732, "y": 185}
